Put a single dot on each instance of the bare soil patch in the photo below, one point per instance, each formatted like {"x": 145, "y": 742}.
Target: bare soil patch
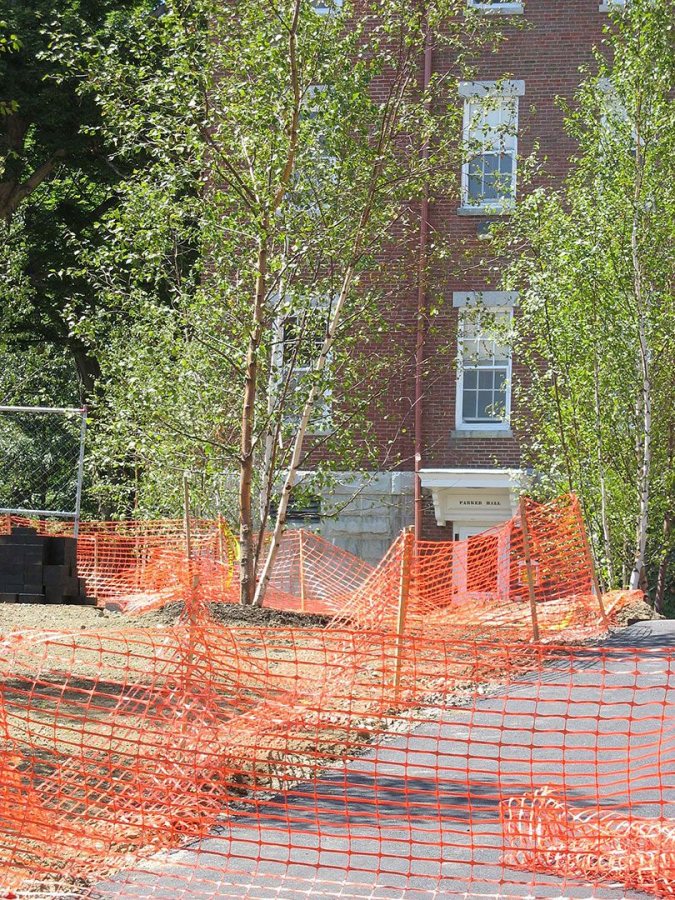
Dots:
{"x": 57, "y": 617}
{"x": 639, "y": 611}
{"x": 235, "y": 614}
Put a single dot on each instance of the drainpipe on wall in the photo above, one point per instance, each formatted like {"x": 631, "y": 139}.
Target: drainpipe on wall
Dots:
{"x": 421, "y": 310}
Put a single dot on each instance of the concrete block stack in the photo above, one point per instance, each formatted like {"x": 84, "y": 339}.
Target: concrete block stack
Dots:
{"x": 37, "y": 568}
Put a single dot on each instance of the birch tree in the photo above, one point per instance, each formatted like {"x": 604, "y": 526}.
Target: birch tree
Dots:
{"x": 593, "y": 262}
{"x": 285, "y": 143}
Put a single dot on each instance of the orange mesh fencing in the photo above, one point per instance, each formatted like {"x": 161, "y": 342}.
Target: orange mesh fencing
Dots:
{"x": 547, "y": 835}
{"x": 464, "y": 587}
{"x": 449, "y": 587}
{"x": 420, "y": 744}
{"x": 142, "y": 565}
{"x": 199, "y": 760}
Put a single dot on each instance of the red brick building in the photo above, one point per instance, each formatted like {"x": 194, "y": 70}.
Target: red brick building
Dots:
{"x": 459, "y": 447}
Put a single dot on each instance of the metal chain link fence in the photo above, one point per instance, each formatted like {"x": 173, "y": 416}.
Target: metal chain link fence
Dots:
{"x": 41, "y": 461}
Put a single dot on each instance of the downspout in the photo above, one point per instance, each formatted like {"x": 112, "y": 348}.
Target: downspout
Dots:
{"x": 421, "y": 309}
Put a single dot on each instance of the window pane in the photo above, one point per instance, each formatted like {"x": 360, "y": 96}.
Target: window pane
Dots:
{"x": 469, "y": 405}
{"x": 494, "y": 122}
{"x": 499, "y": 410}
{"x": 475, "y": 183}
{"x": 486, "y": 380}
{"x": 470, "y": 379}
{"x": 486, "y": 349}
{"x": 470, "y": 327}
{"x": 471, "y": 349}
{"x": 498, "y": 183}
{"x": 484, "y": 409}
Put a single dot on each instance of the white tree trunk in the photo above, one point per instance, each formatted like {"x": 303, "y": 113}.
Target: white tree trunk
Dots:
{"x": 601, "y": 472}
{"x": 644, "y": 363}
{"x": 644, "y": 461}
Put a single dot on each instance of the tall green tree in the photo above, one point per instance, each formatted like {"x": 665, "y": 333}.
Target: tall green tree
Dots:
{"x": 593, "y": 264}
{"x": 289, "y": 145}
{"x": 57, "y": 179}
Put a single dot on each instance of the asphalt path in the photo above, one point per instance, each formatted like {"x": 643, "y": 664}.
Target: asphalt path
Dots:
{"x": 418, "y": 816}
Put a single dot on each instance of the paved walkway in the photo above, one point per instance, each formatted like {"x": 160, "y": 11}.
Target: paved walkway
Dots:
{"x": 418, "y": 816}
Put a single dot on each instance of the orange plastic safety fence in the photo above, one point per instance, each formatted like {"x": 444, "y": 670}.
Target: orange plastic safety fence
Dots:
{"x": 415, "y": 746}
{"x": 142, "y": 565}
{"x": 449, "y": 587}
{"x": 204, "y": 761}
{"x": 547, "y": 835}
{"x": 462, "y": 587}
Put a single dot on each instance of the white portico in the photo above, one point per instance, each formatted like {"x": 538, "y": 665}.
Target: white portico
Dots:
{"x": 473, "y": 500}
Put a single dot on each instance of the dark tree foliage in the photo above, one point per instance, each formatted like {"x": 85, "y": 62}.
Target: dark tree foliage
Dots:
{"x": 57, "y": 179}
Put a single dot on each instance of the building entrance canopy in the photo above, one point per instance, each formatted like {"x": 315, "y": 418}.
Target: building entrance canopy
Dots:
{"x": 474, "y": 496}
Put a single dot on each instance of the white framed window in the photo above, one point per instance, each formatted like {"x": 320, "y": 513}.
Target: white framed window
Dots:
{"x": 484, "y": 367}
{"x": 606, "y": 5}
{"x": 616, "y": 124}
{"x": 302, "y": 336}
{"x": 490, "y": 137}
{"x": 499, "y": 7}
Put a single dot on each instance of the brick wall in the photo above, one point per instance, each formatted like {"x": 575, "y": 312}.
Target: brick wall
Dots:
{"x": 546, "y": 47}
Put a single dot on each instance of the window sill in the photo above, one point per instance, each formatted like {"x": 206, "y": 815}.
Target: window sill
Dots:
{"x": 462, "y": 433}
{"x": 499, "y": 9}
{"x": 483, "y": 211}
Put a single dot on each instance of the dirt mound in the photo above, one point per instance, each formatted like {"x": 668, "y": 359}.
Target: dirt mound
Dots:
{"x": 235, "y": 614}
{"x": 637, "y": 611}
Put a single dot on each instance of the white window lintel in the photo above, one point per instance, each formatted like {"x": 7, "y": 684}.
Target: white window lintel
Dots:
{"x": 501, "y": 8}
{"x": 484, "y": 298}
{"x": 507, "y": 88}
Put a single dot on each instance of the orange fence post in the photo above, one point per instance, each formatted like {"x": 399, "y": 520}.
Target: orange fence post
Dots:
{"x": 145, "y": 550}
{"x": 591, "y": 563}
{"x": 96, "y": 561}
{"x": 193, "y": 580}
{"x": 403, "y": 596}
{"x": 528, "y": 564}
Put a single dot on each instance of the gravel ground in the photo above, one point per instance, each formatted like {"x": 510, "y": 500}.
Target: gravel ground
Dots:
{"x": 55, "y": 617}
{"x": 636, "y": 612}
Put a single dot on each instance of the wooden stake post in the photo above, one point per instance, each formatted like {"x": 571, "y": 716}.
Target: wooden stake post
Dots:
{"x": 221, "y": 552}
{"x": 193, "y": 578}
{"x": 530, "y": 571}
{"x": 96, "y": 584}
{"x": 193, "y": 581}
{"x": 403, "y": 597}
{"x": 591, "y": 563}
{"x": 302, "y": 570}
{"x": 186, "y": 517}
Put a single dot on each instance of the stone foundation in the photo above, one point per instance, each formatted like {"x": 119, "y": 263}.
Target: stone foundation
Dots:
{"x": 364, "y": 513}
